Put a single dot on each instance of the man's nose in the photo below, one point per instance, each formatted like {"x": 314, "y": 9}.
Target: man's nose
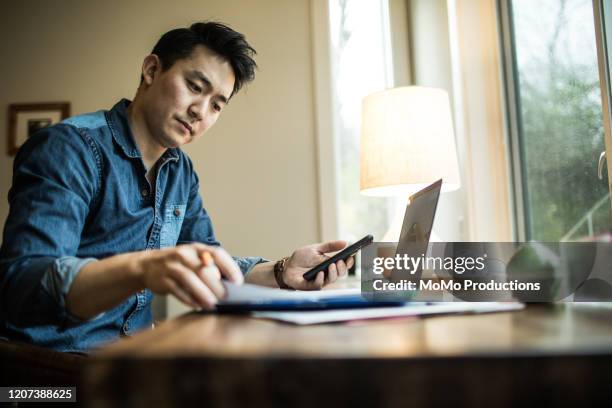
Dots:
{"x": 196, "y": 109}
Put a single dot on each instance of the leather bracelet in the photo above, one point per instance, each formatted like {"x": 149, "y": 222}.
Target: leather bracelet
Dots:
{"x": 279, "y": 268}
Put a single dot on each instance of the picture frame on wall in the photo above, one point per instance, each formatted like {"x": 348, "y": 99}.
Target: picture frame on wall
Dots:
{"x": 25, "y": 119}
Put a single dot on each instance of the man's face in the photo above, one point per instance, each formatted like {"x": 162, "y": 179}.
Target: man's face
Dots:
{"x": 181, "y": 103}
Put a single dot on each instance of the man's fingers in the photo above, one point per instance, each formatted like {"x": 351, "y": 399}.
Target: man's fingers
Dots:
{"x": 332, "y": 273}
{"x": 223, "y": 261}
{"x": 315, "y": 284}
{"x": 212, "y": 278}
{"x": 342, "y": 268}
{"x": 319, "y": 280}
{"x": 331, "y": 246}
{"x": 192, "y": 284}
{"x": 180, "y": 294}
{"x": 227, "y": 266}
{"x": 350, "y": 262}
{"x": 188, "y": 257}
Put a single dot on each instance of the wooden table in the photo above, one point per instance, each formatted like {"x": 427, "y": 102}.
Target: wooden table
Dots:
{"x": 545, "y": 355}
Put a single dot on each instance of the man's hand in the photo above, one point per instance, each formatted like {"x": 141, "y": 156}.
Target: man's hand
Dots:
{"x": 182, "y": 272}
{"x": 305, "y": 258}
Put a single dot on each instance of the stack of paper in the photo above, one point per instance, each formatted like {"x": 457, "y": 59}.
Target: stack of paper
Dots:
{"x": 410, "y": 309}
{"x": 247, "y": 295}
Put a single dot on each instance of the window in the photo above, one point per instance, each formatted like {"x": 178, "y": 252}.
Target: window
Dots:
{"x": 361, "y": 64}
{"x": 556, "y": 118}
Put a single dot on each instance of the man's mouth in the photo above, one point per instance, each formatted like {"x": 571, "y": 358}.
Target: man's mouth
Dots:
{"x": 186, "y": 126}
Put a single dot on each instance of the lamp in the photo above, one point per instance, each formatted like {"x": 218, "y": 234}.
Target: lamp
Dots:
{"x": 407, "y": 142}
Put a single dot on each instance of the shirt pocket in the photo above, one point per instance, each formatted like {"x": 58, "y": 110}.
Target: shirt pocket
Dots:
{"x": 171, "y": 226}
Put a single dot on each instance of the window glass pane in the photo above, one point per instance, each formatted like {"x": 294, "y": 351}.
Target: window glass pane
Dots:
{"x": 361, "y": 65}
{"x": 560, "y": 129}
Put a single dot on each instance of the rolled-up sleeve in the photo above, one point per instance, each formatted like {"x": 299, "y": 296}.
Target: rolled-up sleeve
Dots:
{"x": 248, "y": 262}
{"x": 55, "y": 181}
{"x": 197, "y": 225}
{"x": 58, "y": 278}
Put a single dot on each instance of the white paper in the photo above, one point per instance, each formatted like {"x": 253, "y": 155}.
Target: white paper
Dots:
{"x": 248, "y": 293}
{"x": 411, "y": 309}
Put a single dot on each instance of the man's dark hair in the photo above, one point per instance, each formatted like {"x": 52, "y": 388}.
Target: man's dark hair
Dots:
{"x": 231, "y": 45}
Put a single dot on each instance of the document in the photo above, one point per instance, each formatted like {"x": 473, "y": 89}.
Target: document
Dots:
{"x": 296, "y": 308}
{"x": 248, "y": 293}
{"x": 410, "y": 309}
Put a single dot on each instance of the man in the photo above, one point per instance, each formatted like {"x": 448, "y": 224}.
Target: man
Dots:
{"x": 105, "y": 208}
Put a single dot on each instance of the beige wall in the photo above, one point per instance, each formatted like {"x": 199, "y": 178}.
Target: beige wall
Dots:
{"x": 257, "y": 165}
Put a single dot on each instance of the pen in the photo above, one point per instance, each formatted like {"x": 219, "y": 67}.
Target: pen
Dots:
{"x": 209, "y": 264}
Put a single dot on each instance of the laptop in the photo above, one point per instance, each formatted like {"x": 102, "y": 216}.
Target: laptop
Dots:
{"x": 417, "y": 225}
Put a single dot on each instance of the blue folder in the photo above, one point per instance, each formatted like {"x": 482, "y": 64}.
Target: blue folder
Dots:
{"x": 344, "y": 302}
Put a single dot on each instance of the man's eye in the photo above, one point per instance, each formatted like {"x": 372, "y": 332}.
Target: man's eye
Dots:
{"x": 194, "y": 87}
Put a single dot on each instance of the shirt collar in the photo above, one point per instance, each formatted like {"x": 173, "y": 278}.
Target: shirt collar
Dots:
{"x": 122, "y": 133}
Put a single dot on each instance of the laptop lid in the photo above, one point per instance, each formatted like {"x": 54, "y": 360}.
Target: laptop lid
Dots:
{"x": 418, "y": 223}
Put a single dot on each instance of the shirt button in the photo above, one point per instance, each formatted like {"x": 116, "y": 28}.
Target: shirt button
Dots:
{"x": 144, "y": 192}
{"x": 177, "y": 212}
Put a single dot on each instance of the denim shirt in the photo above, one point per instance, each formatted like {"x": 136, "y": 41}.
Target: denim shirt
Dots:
{"x": 80, "y": 194}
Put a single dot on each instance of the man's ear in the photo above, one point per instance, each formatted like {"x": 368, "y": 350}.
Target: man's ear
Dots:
{"x": 151, "y": 66}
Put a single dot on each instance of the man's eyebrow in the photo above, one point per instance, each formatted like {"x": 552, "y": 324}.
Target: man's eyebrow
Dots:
{"x": 207, "y": 82}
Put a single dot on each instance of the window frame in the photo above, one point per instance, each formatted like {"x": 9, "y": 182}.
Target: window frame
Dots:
{"x": 326, "y": 141}
{"x": 514, "y": 123}
{"x": 603, "y": 63}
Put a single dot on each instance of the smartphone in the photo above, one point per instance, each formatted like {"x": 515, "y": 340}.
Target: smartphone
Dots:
{"x": 342, "y": 255}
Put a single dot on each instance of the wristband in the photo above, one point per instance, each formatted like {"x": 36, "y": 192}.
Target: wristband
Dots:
{"x": 279, "y": 269}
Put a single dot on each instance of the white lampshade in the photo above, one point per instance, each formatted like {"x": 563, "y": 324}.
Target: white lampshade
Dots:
{"x": 407, "y": 142}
